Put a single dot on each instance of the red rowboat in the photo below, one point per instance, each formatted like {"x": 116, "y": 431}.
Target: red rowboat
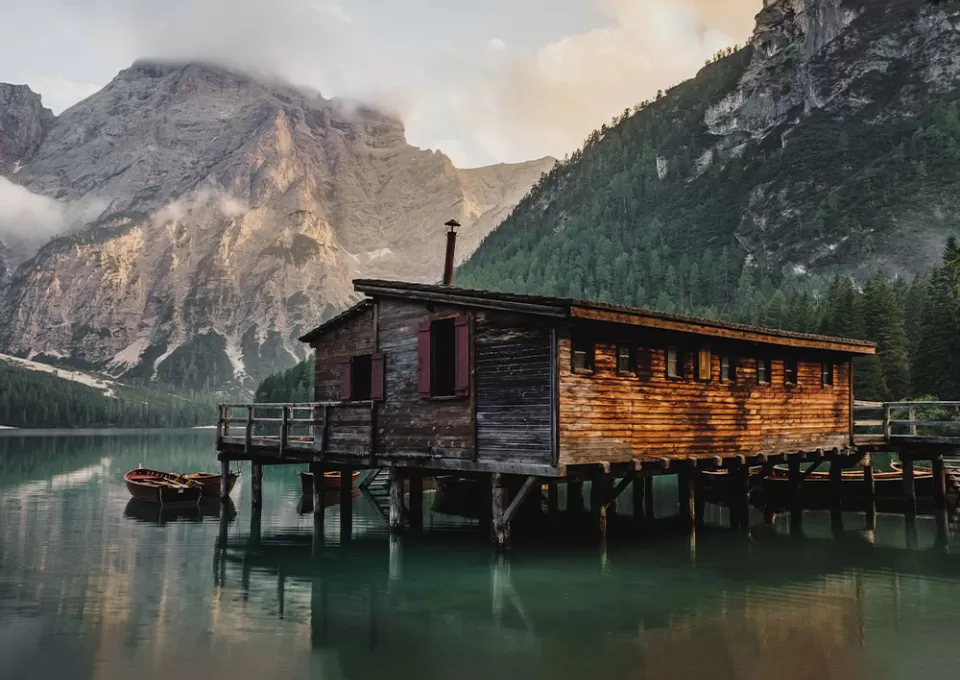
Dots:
{"x": 210, "y": 481}
{"x": 162, "y": 487}
{"x": 331, "y": 481}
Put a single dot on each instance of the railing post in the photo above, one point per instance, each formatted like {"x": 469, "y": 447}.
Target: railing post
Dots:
{"x": 913, "y": 421}
{"x": 284, "y": 429}
{"x": 887, "y": 427}
{"x": 248, "y": 433}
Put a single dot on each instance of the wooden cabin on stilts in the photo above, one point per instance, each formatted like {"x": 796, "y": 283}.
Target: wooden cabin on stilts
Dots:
{"x": 515, "y": 392}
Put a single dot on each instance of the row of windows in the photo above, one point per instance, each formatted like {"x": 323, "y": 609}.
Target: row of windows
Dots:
{"x": 676, "y": 365}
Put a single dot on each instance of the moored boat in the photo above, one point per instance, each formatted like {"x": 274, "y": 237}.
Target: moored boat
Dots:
{"x": 818, "y": 493}
{"x": 165, "y": 488}
{"x": 210, "y": 481}
{"x": 331, "y": 481}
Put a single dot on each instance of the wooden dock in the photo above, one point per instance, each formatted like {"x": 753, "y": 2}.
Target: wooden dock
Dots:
{"x": 343, "y": 436}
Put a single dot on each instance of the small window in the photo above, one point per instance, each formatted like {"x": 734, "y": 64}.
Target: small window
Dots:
{"x": 826, "y": 374}
{"x": 443, "y": 358}
{"x": 674, "y": 362}
{"x": 727, "y": 368}
{"x": 625, "y": 359}
{"x": 361, "y": 377}
{"x": 763, "y": 371}
{"x": 704, "y": 364}
{"x": 582, "y": 355}
{"x": 790, "y": 372}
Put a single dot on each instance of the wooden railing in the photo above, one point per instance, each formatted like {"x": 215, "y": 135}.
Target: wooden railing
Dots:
{"x": 296, "y": 425}
{"x": 892, "y": 420}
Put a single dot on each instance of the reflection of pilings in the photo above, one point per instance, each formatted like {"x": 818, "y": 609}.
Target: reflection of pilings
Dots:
{"x": 575, "y": 497}
{"x": 796, "y": 495}
{"x": 281, "y": 588}
{"x": 256, "y": 518}
{"x": 648, "y": 508}
{"x": 836, "y": 522}
{"x": 637, "y": 488}
{"x": 553, "y": 498}
{"x": 256, "y": 483}
{"x": 943, "y": 524}
{"x": 316, "y": 470}
{"x": 396, "y": 499}
{"x": 909, "y": 488}
{"x": 396, "y": 557}
{"x": 687, "y": 496}
{"x": 318, "y": 609}
{"x": 911, "y": 530}
{"x": 498, "y": 577}
{"x": 939, "y": 483}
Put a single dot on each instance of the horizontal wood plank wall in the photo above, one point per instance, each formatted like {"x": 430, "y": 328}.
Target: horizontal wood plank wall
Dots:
{"x": 349, "y": 430}
{"x": 407, "y": 424}
{"x": 606, "y": 417}
{"x": 514, "y": 389}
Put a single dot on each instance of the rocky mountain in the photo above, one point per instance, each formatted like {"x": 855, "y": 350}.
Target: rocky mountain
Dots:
{"x": 23, "y": 124}
{"x": 224, "y": 215}
{"x": 829, "y": 144}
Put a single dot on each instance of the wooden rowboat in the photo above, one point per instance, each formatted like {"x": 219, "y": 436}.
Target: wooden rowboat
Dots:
{"x": 331, "y": 481}
{"x": 210, "y": 481}
{"x": 164, "y": 488}
{"x": 818, "y": 493}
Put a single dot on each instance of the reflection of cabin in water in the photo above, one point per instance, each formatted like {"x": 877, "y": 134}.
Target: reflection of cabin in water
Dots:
{"x": 521, "y": 390}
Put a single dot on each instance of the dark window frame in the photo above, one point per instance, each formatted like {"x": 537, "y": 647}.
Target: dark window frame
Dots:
{"x": 791, "y": 367}
{"x": 361, "y": 377}
{"x": 731, "y": 364}
{"x": 443, "y": 358}
{"x": 764, "y": 361}
{"x": 827, "y": 374}
{"x": 587, "y": 350}
{"x": 680, "y": 362}
{"x": 631, "y": 357}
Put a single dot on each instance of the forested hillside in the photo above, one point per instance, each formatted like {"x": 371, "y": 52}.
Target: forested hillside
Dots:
{"x": 32, "y": 399}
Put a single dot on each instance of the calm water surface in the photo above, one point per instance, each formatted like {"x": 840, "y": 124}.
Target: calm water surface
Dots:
{"x": 94, "y": 586}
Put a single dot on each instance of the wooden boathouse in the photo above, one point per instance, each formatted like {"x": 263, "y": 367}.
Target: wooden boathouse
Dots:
{"x": 517, "y": 392}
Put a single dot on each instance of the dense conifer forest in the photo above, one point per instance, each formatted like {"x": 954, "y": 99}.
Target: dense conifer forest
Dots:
{"x": 32, "y": 399}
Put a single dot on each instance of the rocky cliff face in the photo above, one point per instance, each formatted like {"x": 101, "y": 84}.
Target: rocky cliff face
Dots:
{"x": 23, "y": 123}
{"x": 229, "y": 208}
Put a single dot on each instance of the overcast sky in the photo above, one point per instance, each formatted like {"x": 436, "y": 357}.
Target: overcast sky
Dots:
{"x": 485, "y": 82}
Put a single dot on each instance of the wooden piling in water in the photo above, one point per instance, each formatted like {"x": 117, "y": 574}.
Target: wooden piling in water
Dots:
{"x": 396, "y": 499}
{"x": 575, "y": 497}
{"x": 686, "y": 496}
{"x": 638, "y": 498}
{"x": 346, "y": 504}
{"x": 224, "y": 479}
{"x": 648, "y": 508}
{"x": 416, "y": 501}
{"x": 796, "y": 495}
{"x": 553, "y": 498}
{"x": 256, "y": 484}
{"x": 836, "y": 482}
{"x": 500, "y": 500}
{"x": 909, "y": 487}
{"x": 316, "y": 469}
{"x": 939, "y": 482}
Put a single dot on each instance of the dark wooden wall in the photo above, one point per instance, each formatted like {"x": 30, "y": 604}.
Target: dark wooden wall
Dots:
{"x": 515, "y": 395}
{"x": 606, "y": 417}
{"x": 407, "y": 424}
{"x": 349, "y": 429}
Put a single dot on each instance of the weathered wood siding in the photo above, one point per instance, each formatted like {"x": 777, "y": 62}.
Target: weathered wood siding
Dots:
{"x": 408, "y": 425}
{"x": 515, "y": 395}
{"x": 349, "y": 429}
{"x": 606, "y": 417}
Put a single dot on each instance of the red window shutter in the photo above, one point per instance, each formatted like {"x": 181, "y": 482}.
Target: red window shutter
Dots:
{"x": 423, "y": 359}
{"x": 346, "y": 379}
{"x": 377, "y": 375}
{"x": 463, "y": 356}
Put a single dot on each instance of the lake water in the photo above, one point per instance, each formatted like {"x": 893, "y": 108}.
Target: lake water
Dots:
{"x": 94, "y": 586}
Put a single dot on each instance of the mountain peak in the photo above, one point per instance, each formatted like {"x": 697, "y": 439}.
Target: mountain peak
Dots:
{"x": 23, "y": 124}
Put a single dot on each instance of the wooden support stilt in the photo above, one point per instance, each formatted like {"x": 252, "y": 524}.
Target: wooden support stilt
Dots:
{"x": 943, "y": 528}
{"x": 648, "y": 507}
{"x": 698, "y": 499}
{"x": 638, "y": 498}
{"x": 939, "y": 482}
{"x": 836, "y": 482}
{"x": 909, "y": 487}
{"x": 224, "y": 478}
{"x": 416, "y": 502}
{"x": 500, "y": 497}
{"x": 686, "y": 496}
{"x": 912, "y": 536}
{"x": 316, "y": 469}
{"x": 553, "y": 498}
{"x": 575, "y": 497}
{"x": 740, "y": 497}
{"x": 346, "y": 505}
{"x": 256, "y": 483}
{"x": 255, "y": 523}
{"x": 796, "y": 495}
{"x": 598, "y": 497}
{"x": 396, "y": 499}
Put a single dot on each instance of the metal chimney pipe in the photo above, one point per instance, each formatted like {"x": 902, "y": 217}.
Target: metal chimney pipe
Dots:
{"x": 452, "y": 227}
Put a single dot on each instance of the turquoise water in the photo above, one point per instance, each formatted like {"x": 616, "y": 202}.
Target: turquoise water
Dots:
{"x": 92, "y": 586}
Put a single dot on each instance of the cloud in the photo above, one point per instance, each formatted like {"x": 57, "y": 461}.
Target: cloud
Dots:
{"x": 59, "y": 93}
{"x": 520, "y": 107}
{"x": 32, "y": 217}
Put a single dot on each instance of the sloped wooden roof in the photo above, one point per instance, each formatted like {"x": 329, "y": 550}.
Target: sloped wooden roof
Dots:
{"x": 569, "y": 308}
{"x": 348, "y": 313}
